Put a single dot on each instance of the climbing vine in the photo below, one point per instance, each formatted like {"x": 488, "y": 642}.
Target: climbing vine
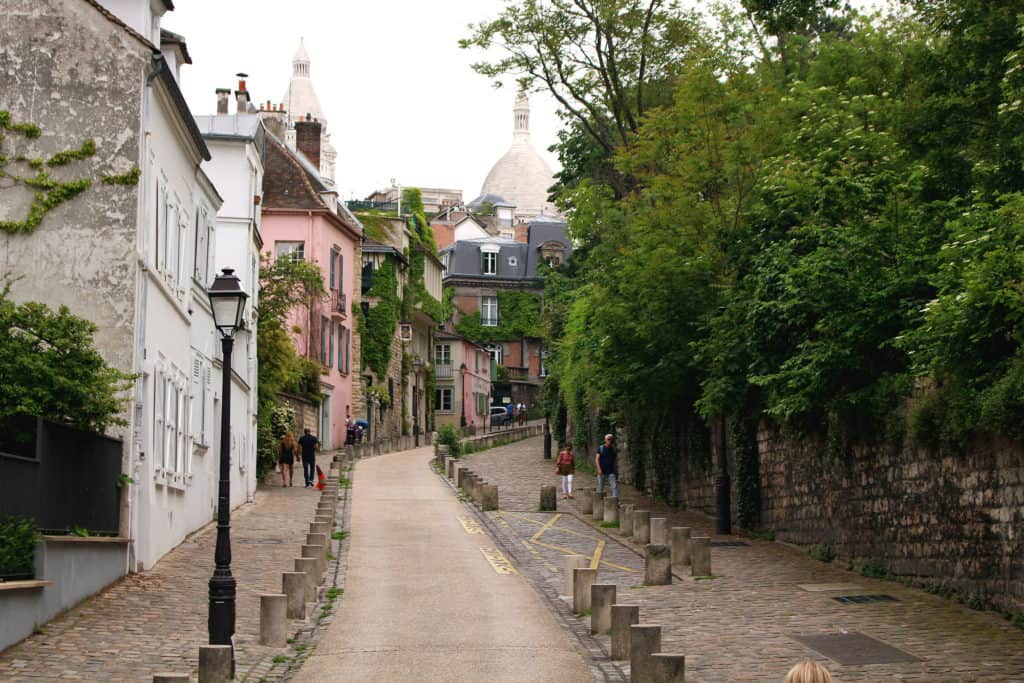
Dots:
{"x": 49, "y": 192}
{"x": 743, "y": 435}
{"x": 377, "y": 325}
{"x": 518, "y": 317}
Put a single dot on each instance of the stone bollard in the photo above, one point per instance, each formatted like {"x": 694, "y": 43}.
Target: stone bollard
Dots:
{"x": 597, "y": 505}
{"x": 216, "y": 663}
{"x": 602, "y": 597}
{"x": 548, "y": 500}
{"x": 489, "y": 497}
{"x": 586, "y": 500}
{"x": 623, "y": 617}
{"x": 320, "y": 540}
{"x": 442, "y": 453}
{"x": 322, "y": 519}
{"x": 644, "y": 641}
{"x": 319, "y": 528}
{"x": 273, "y": 619}
{"x": 626, "y": 519}
{"x": 659, "y": 531}
{"x": 657, "y": 565}
{"x": 171, "y": 678}
{"x": 642, "y": 526}
{"x": 668, "y": 668}
{"x": 307, "y": 566}
{"x": 293, "y": 584}
{"x": 582, "y": 580}
{"x": 317, "y": 553}
{"x": 461, "y": 477}
{"x": 700, "y": 556}
{"x": 611, "y": 509}
{"x": 571, "y": 562}
{"x": 679, "y": 542}
{"x": 451, "y": 463}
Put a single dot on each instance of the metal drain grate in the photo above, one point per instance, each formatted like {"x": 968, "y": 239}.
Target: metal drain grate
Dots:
{"x": 861, "y": 599}
{"x": 258, "y": 541}
{"x": 853, "y": 648}
{"x": 728, "y": 544}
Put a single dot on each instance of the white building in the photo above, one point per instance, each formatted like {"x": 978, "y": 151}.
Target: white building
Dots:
{"x": 300, "y": 100}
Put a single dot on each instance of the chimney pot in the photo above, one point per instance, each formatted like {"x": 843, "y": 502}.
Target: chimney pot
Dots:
{"x": 222, "y": 100}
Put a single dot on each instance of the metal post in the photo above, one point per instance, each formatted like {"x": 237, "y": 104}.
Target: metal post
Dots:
{"x": 547, "y": 438}
{"x": 416, "y": 411}
{"x": 723, "y": 518}
{"x": 222, "y": 584}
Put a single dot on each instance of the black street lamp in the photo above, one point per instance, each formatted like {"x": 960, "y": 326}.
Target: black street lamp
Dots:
{"x": 416, "y": 365}
{"x": 228, "y": 302}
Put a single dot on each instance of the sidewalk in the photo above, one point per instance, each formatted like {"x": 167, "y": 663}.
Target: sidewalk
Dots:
{"x": 155, "y": 621}
{"x": 739, "y": 626}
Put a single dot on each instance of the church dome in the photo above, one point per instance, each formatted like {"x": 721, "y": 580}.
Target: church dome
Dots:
{"x": 522, "y": 176}
{"x": 300, "y": 98}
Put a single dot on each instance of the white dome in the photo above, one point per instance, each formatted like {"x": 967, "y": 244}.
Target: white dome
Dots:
{"x": 522, "y": 176}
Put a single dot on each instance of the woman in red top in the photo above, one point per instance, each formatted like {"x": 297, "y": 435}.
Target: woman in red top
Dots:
{"x": 566, "y": 466}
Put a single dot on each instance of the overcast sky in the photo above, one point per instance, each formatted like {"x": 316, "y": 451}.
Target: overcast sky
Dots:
{"x": 399, "y": 95}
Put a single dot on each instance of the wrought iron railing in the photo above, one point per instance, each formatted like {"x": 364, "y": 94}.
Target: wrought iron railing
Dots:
{"x": 443, "y": 370}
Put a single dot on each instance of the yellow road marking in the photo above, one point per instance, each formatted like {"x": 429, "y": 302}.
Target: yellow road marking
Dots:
{"x": 567, "y": 551}
{"x": 498, "y": 561}
{"x": 561, "y": 529}
{"x": 470, "y": 525}
{"x": 596, "y": 559}
{"x": 550, "y": 523}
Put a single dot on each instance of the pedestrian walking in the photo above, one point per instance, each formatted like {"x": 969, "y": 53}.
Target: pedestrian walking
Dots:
{"x": 511, "y": 408}
{"x": 522, "y": 413}
{"x": 287, "y": 452}
{"x": 808, "y": 672}
{"x": 565, "y": 467}
{"x": 607, "y": 463}
{"x": 309, "y": 444}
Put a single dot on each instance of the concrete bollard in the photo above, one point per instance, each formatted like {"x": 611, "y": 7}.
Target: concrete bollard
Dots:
{"x": 679, "y": 542}
{"x": 623, "y": 617}
{"x": 597, "y": 505}
{"x": 700, "y": 556}
{"x": 462, "y": 476}
{"x": 216, "y": 663}
{"x": 626, "y": 519}
{"x": 171, "y": 678}
{"x": 642, "y": 526}
{"x": 319, "y": 528}
{"x": 273, "y": 619}
{"x": 569, "y": 563}
{"x": 582, "y": 580}
{"x": 644, "y": 641}
{"x": 317, "y": 553}
{"x": 320, "y": 540}
{"x": 668, "y": 668}
{"x": 657, "y": 565}
{"x": 611, "y": 509}
{"x": 489, "y": 497}
{"x": 659, "y": 531}
{"x": 321, "y": 519}
{"x": 548, "y": 501}
{"x": 293, "y": 584}
{"x": 307, "y": 566}
{"x": 586, "y": 500}
{"x": 451, "y": 463}
{"x": 602, "y": 597}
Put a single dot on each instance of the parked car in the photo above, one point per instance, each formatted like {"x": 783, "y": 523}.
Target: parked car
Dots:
{"x": 500, "y": 416}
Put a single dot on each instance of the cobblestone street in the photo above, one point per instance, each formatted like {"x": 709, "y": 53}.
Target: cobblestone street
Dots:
{"x": 156, "y": 620}
{"x": 740, "y": 625}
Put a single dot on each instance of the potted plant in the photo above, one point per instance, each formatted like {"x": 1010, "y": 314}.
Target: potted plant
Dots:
{"x": 18, "y": 538}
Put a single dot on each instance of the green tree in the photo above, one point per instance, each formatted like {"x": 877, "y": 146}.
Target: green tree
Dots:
{"x": 50, "y": 368}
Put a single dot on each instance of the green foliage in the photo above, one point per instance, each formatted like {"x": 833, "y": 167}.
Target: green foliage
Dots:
{"x": 129, "y": 178}
{"x": 18, "y": 538}
{"x": 743, "y": 433}
{"x": 822, "y": 552}
{"x": 79, "y": 531}
{"x": 518, "y": 317}
{"x": 377, "y": 327}
{"x": 450, "y": 436}
{"x": 50, "y": 368}
{"x": 874, "y": 569}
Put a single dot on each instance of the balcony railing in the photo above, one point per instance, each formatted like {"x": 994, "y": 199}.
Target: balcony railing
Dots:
{"x": 515, "y": 372}
{"x": 339, "y": 302}
{"x": 443, "y": 370}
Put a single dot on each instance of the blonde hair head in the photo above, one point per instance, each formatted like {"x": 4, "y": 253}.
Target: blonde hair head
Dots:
{"x": 808, "y": 672}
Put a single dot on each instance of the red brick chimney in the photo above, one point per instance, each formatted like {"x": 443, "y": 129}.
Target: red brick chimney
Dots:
{"x": 242, "y": 95}
{"x": 307, "y": 139}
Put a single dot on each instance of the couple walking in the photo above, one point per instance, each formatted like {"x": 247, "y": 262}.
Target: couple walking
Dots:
{"x": 606, "y": 460}
{"x": 289, "y": 451}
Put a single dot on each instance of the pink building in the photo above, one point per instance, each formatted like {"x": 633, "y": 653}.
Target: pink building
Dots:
{"x": 462, "y": 372}
{"x": 303, "y": 219}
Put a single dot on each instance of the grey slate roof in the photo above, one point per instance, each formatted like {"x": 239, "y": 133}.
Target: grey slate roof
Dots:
{"x": 465, "y": 259}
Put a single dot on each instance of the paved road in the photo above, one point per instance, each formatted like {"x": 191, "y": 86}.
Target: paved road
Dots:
{"x": 743, "y": 625}
{"x": 428, "y": 597}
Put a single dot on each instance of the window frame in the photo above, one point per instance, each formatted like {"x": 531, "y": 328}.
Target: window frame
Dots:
{"x": 439, "y": 394}
{"x": 486, "y": 318}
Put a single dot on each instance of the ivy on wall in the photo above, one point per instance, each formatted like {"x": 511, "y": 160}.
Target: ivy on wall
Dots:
{"x": 49, "y": 192}
{"x": 377, "y": 325}
{"x": 518, "y": 317}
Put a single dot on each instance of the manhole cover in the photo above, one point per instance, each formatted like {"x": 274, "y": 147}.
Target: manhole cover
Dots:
{"x": 861, "y": 599}
{"x": 258, "y": 541}
{"x": 854, "y": 648}
{"x": 728, "y": 544}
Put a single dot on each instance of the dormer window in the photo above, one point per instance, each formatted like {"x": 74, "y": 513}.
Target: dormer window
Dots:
{"x": 490, "y": 264}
